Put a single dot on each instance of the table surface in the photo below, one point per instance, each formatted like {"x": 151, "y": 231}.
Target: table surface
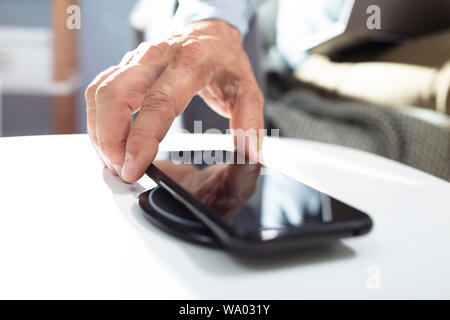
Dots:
{"x": 69, "y": 229}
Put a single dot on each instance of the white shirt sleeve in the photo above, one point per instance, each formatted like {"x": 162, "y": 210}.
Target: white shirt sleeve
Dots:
{"x": 235, "y": 12}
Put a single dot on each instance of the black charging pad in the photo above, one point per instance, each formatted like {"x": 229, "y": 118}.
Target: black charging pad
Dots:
{"x": 167, "y": 213}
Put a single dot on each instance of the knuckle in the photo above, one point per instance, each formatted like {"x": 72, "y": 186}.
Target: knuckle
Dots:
{"x": 152, "y": 50}
{"x": 157, "y": 49}
{"x": 158, "y": 98}
{"x": 104, "y": 95}
{"x": 126, "y": 87}
{"x": 105, "y": 92}
{"x": 192, "y": 50}
{"x": 158, "y": 107}
{"x": 90, "y": 92}
{"x": 102, "y": 91}
{"x": 160, "y": 46}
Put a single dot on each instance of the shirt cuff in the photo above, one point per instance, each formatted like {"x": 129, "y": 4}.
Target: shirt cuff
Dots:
{"x": 235, "y": 12}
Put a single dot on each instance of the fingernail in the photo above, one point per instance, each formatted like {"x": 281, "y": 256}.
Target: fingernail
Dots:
{"x": 118, "y": 169}
{"x": 108, "y": 164}
{"x": 104, "y": 157}
{"x": 110, "y": 167}
{"x": 128, "y": 167}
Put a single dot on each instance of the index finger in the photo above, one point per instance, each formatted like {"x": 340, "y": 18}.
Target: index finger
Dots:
{"x": 117, "y": 98}
{"x": 167, "y": 98}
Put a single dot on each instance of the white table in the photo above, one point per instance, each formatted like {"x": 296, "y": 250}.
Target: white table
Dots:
{"x": 70, "y": 230}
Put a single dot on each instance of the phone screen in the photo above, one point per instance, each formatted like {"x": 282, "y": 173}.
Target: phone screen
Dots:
{"x": 255, "y": 201}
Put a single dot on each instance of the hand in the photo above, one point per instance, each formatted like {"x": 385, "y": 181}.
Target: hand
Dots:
{"x": 159, "y": 81}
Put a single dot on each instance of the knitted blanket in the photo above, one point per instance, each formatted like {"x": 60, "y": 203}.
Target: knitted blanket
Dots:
{"x": 377, "y": 129}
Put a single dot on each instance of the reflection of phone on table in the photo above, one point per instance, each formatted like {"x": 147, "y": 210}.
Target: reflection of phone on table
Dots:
{"x": 246, "y": 207}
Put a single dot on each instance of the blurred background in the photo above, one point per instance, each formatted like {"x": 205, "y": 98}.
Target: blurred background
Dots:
{"x": 336, "y": 71}
{"x": 42, "y": 81}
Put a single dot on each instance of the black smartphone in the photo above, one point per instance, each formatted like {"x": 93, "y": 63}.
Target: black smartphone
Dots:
{"x": 250, "y": 207}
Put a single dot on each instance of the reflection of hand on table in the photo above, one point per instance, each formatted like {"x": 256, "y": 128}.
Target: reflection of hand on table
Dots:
{"x": 223, "y": 188}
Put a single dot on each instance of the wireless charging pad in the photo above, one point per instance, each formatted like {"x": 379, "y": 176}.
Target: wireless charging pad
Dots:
{"x": 167, "y": 213}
